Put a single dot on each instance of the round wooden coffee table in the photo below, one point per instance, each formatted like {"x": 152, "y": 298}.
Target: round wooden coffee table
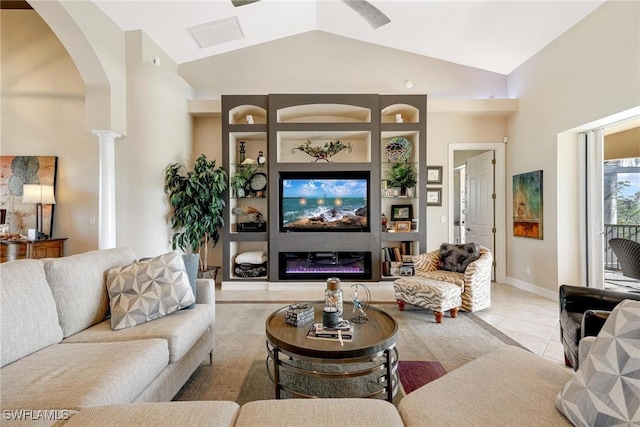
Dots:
{"x": 374, "y": 344}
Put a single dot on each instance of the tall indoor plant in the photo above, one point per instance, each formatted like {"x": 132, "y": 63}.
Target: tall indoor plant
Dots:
{"x": 197, "y": 198}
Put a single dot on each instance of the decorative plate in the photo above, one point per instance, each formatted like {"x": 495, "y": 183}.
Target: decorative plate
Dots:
{"x": 398, "y": 149}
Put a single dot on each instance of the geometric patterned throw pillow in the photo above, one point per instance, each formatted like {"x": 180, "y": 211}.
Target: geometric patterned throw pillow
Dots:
{"x": 605, "y": 390}
{"x": 147, "y": 290}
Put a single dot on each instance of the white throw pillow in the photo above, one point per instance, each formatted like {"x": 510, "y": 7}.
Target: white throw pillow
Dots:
{"x": 605, "y": 390}
{"x": 251, "y": 257}
{"x": 147, "y": 290}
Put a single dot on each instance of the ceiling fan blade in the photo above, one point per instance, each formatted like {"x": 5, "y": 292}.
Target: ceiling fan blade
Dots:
{"x": 238, "y": 3}
{"x": 369, "y": 12}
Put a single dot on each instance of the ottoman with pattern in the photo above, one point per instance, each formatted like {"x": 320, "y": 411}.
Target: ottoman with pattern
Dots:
{"x": 428, "y": 293}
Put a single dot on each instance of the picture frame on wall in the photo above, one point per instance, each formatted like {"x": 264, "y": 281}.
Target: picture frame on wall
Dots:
{"x": 434, "y": 196}
{"x": 402, "y": 213}
{"x": 528, "y": 204}
{"x": 434, "y": 174}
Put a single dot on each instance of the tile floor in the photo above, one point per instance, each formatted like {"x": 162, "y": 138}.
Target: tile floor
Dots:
{"x": 527, "y": 318}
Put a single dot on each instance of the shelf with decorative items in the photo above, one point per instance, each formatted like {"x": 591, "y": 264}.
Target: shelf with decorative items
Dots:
{"x": 324, "y": 147}
{"x": 400, "y": 113}
{"x": 245, "y": 153}
{"x": 403, "y": 178}
{"x": 248, "y": 260}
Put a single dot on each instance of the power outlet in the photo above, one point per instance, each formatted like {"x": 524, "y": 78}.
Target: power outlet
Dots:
{"x": 92, "y": 220}
{"x": 527, "y": 269}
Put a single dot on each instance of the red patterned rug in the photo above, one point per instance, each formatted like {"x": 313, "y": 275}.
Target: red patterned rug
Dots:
{"x": 415, "y": 374}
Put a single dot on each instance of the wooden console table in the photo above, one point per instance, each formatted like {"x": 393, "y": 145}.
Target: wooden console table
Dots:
{"x": 33, "y": 249}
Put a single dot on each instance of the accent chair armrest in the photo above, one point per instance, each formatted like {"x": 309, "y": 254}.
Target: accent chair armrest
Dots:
{"x": 578, "y": 299}
{"x": 592, "y": 322}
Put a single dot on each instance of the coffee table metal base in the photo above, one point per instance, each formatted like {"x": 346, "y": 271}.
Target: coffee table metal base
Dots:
{"x": 384, "y": 363}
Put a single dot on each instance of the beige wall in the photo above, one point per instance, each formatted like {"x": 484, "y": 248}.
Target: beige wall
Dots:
{"x": 590, "y": 72}
{"x": 43, "y": 113}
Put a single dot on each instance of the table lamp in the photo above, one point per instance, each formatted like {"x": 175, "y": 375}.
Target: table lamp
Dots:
{"x": 38, "y": 194}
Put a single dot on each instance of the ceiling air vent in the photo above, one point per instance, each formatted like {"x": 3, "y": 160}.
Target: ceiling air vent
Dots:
{"x": 216, "y": 32}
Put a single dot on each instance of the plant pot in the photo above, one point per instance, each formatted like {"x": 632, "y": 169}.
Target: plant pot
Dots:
{"x": 210, "y": 273}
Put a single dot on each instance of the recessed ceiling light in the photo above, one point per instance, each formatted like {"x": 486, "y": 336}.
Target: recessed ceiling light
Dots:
{"x": 408, "y": 84}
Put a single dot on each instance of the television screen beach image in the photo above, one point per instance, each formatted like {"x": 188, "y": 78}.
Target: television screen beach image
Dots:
{"x": 328, "y": 202}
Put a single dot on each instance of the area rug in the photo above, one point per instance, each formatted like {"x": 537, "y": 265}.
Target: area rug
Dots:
{"x": 416, "y": 373}
{"x": 427, "y": 350}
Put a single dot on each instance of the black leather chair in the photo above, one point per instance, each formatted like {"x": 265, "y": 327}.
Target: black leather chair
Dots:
{"x": 583, "y": 311}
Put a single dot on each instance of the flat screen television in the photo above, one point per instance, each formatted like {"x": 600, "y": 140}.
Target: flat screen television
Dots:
{"x": 324, "y": 201}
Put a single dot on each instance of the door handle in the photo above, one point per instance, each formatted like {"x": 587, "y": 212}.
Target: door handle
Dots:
{"x": 468, "y": 229}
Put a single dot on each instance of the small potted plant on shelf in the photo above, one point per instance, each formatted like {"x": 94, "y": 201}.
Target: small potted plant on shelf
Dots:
{"x": 197, "y": 198}
{"x": 403, "y": 175}
{"x": 240, "y": 179}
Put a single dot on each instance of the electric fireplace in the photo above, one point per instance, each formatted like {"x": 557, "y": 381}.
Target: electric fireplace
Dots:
{"x": 320, "y": 265}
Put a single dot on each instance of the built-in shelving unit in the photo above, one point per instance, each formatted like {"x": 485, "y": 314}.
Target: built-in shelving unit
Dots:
{"x": 284, "y": 122}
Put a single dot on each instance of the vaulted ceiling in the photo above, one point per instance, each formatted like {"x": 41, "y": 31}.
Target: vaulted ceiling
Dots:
{"x": 496, "y": 36}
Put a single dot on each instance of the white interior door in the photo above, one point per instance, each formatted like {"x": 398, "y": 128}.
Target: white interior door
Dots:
{"x": 480, "y": 218}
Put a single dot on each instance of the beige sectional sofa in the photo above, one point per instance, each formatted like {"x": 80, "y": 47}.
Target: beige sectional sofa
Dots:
{"x": 63, "y": 365}
{"x": 58, "y": 351}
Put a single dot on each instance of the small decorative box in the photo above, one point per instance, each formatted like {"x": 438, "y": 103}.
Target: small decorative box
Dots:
{"x": 299, "y": 314}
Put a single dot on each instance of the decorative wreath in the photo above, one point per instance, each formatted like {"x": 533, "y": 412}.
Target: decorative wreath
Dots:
{"x": 398, "y": 149}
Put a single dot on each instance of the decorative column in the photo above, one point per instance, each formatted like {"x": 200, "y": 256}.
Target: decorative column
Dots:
{"x": 107, "y": 186}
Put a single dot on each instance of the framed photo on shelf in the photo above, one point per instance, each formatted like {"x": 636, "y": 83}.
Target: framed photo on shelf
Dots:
{"x": 403, "y": 226}
{"x": 434, "y": 196}
{"x": 434, "y": 174}
{"x": 402, "y": 213}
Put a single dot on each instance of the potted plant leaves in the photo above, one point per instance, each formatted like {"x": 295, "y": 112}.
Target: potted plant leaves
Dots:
{"x": 402, "y": 175}
{"x": 197, "y": 198}
{"x": 240, "y": 179}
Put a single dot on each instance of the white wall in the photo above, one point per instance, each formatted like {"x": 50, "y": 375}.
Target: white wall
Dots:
{"x": 590, "y": 72}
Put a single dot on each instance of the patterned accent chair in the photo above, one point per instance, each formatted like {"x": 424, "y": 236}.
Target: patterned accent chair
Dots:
{"x": 475, "y": 282}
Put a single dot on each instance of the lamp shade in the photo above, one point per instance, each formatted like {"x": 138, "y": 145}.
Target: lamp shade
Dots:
{"x": 35, "y": 193}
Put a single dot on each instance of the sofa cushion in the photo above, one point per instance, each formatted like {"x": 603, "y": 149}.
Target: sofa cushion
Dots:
{"x": 508, "y": 386}
{"x": 147, "y": 290}
{"x": 319, "y": 412}
{"x": 157, "y": 414}
{"x": 28, "y": 312}
{"x": 78, "y": 286}
{"x": 605, "y": 388}
{"x": 76, "y": 376}
{"x": 180, "y": 329}
{"x": 457, "y": 257}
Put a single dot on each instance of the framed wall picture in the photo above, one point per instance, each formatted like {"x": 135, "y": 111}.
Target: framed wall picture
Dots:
{"x": 527, "y": 205}
{"x": 20, "y": 170}
{"x": 434, "y": 196}
{"x": 403, "y": 226}
{"x": 402, "y": 213}
{"x": 434, "y": 174}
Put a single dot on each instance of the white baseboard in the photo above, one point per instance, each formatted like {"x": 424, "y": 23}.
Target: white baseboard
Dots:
{"x": 529, "y": 287}
{"x": 244, "y": 286}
